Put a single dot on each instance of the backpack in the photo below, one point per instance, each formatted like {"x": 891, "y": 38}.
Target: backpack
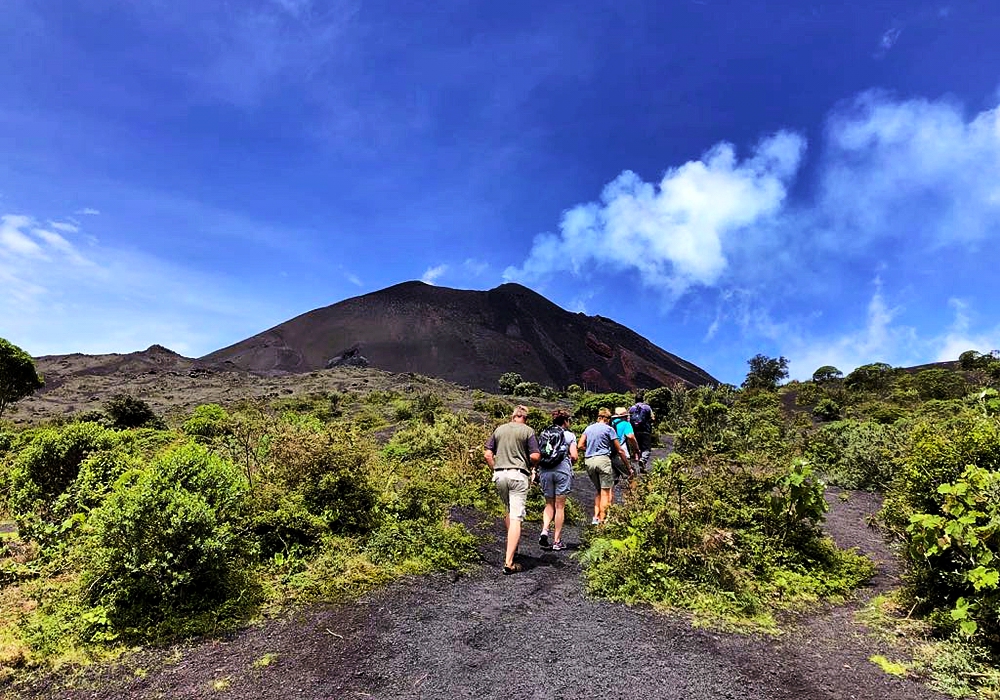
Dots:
{"x": 639, "y": 416}
{"x": 552, "y": 444}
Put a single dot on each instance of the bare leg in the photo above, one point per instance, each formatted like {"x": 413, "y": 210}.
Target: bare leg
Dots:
{"x": 604, "y": 500}
{"x": 597, "y": 504}
{"x": 548, "y": 514}
{"x": 560, "y": 506}
{"x": 513, "y": 537}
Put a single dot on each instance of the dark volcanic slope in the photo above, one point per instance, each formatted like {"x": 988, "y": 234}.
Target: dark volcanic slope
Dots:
{"x": 468, "y": 337}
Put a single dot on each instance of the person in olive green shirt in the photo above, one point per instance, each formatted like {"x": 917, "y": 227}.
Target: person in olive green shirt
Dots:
{"x": 512, "y": 452}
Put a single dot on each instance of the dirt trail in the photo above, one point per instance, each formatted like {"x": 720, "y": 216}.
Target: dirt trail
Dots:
{"x": 531, "y": 635}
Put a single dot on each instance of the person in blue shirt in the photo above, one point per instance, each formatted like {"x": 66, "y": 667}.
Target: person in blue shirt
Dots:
{"x": 598, "y": 442}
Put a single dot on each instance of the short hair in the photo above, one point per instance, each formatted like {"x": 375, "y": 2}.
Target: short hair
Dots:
{"x": 640, "y": 395}
{"x": 604, "y": 412}
{"x": 560, "y": 417}
{"x": 521, "y": 411}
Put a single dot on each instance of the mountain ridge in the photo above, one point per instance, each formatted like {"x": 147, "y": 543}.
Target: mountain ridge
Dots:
{"x": 469, "y": 337}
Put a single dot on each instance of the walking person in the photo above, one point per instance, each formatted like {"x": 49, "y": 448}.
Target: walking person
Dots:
{"x": 626, "y": 436}
{"x": 512, "y": 452}
{"x": 598, "y": 442}
{"x": 642, "y": 417}
{"x": 556, "y": 479}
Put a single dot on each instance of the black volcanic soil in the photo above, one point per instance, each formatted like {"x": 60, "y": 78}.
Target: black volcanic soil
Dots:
{"x": 531, "y": 635}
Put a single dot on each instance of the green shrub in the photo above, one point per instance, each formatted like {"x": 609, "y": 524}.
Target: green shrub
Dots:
{"x": 46, "y": 467}
{"x": 167, "y": 544}
{"x": 493, "y": 407}
{"x": 857, "y": 455}
{"x": 728, "y": 541}
{"x": 508, "y": 381}
{"x": 529, "y": 389}
{"x": 940, "y": 384}
{"x": 588, "y": 405}
{"x": 328, "y": 467}
{"x": 125, "y": 411}
{"x": 207, "y": 422}
{"x": 827, "y": 410}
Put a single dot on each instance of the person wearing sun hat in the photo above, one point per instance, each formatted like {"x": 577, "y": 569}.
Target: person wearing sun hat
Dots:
{"x": 626, "y": 436}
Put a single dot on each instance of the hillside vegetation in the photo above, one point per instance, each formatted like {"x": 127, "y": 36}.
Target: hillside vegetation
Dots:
{"x": 120, "y": 529}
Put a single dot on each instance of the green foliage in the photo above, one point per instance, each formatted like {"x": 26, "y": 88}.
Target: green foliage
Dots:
{"x": 875, "y": 377}
{"x": 207, "y": 422}
{"x": 18, "y": 377}
{"x": 728, "y": 541}
{"x": 529, "y": 389}
{"x": 826, "y": 373}
{"x": 508, "y": 382}
{"x": 827, "y": 409}
{"x": 856, "y": 454}
{"x": 588, "y": 405}
{"x": 765, "y": 372}
{"x": 167, "y": 543}
{"x": 940, "y": 384}
{"x": 46, "y": 467}
{"x": 493, "y": 407}
{"x": 125, "y": 411}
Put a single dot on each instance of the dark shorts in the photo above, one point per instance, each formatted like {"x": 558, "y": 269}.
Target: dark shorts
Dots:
{"x": 645, "y": 441}
{"x": 555, "y": 483}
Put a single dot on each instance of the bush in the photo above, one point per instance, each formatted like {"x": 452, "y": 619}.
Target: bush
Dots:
{"x": 734, "y": 542}
{"x": 47, "y": 466}
{"x": 125, "y": 411}
{"x": 508, "y": 381}
{"x": 857, "y": 455}
{"x": 207, "y": 422}
{"x": 827, "y": 410}
{"x": 529, "y": 389}
{"x": 588, "y": 405}
{"x": 493, "y": 407}
{"x": 167, "y": 544}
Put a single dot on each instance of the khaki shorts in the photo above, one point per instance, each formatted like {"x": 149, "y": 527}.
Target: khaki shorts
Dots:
{"x": 599, "y": 471}
{"x": 512, "y": 486}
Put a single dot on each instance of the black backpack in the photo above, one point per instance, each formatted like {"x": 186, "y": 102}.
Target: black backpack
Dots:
{"x": 552, "y": 444}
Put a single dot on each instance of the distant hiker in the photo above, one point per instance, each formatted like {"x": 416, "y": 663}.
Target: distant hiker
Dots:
{"x": 598, "y": 442}
{"x": 512, "y": 452}
{"x": 558, "y": 446}
{"x": 641, "y": 416}
{"x": 626, "y": 436}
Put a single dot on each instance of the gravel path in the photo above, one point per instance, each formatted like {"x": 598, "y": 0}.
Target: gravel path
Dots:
{"x": 531, "y": 635}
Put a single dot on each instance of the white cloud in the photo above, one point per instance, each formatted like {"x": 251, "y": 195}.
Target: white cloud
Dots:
{"x": 475, "y": 267}
{"x": 880, "y": 340}
{"x": 674, "y": 232}
{"x": 14, "y": 241}
{"x": 64, "y": 226}
{"x": 889, "y": 38}
{"x": 432, "y": 274}
{"x": 87, "y": 211}
{"x": 960, "y": 336}
{"x": 117, "y": 302}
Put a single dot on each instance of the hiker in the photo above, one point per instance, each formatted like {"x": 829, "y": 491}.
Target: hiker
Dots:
{"x": 598, "y": 442}
{"x": 512, "y": 452}
{"x": 556, "y": 477}
{"x": 626, "y": 436}
{"x": 641, "y": 417}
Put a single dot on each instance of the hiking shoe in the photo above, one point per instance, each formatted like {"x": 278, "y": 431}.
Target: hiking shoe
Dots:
{"x": 595, "y": 521}
{"x": 558, "y": 546}
{"x": 543, "y": 540}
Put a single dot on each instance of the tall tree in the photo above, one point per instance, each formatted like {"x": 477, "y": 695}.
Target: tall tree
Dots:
{"x": 18, "y": 377}
{"x": 765, "y": 372}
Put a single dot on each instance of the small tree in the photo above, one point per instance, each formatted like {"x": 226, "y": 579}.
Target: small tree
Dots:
{"x": 765, "y": 372}
{"x": 827, "y": 373}
{"x": 508, "y": 381}
{"x": 125, "y": 411}
{"x": 18, "y": 377}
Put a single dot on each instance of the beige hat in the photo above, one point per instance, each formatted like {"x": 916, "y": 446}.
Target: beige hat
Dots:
{"x": 621, "y": 411}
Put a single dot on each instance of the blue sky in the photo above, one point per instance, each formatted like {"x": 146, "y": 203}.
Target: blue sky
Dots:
{"x": 814, "y": 180}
